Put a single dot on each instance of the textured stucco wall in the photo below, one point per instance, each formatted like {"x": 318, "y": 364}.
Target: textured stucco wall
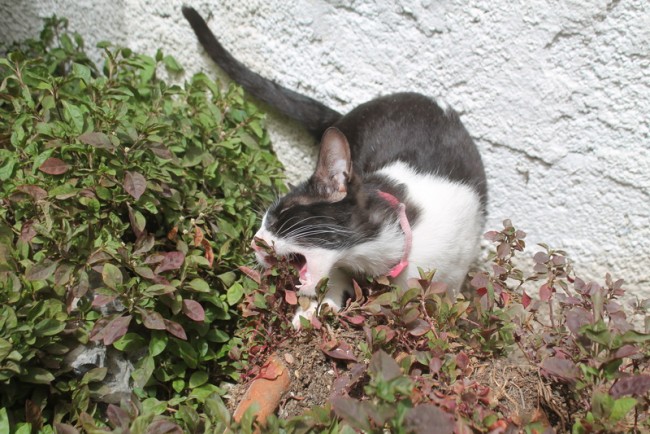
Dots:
{"x": 556, "y": 94}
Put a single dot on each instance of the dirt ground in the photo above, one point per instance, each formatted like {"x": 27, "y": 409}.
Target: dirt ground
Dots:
{"x": 518, "y": 391}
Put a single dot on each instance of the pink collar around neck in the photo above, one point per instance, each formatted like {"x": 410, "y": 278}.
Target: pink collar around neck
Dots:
{"x": 406, "y": 227}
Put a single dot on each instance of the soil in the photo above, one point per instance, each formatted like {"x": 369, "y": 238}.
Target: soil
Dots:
{"x": 518, "y": 391}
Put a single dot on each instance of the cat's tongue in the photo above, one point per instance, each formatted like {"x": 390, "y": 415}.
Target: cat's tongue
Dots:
{"x": 304, "y": 274}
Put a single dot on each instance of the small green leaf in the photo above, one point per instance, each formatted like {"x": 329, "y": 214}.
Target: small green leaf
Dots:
{"x": 143, "y": 371}
{"x": 74, "y": 115}
{"x": 198, "y": 378}
{"x": 94, "y": 375}
{"x": 158, "y": 343}
{"x": 4, "y": 420}
{"x": 216, "y": 409}
{"x": 199, "y": 285}
{"x": 130, "y": 342}
{"x": 5, "y": 348}
{"x": 621, "y": 408}
{"x": 49, "y": 327}
{"x": 234, "y": 293}
{"x": 172, "y": 65}
{"x": 633, "y": 336}
{"x": 111, "y": 275}
{"x": 7, "y": 169}
{"x": 37, "y": 375}
{"x": 82, "y": 72}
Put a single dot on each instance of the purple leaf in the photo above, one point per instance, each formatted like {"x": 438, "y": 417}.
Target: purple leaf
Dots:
{"x": 102, "y": 300}
{"x": 384, "y": 365}
{"x": 193, "y": 310}
{"x": 112, "y": 331}
{"x": 163, "y": 426}
{"x": 135, "y": 184}
{"x": 356, "y": 320}
{"x": 352, "y": 412}
{"x": 427, "y": 418}
{"x": 97, "y": 140}
{"x": 576, "y": 318}
{"x": 541, "y": 258}
{"x": 637, "y": 385}
{"x": 436, "y": 288}
{"x": 27, "y": 232}
{"x": 338, "y": 350}
{"x": 545, "y": 292}
{"x": 561, "y": 368}
{"x": 118, "y": 417}
{"x": 462, "y": 360}
{"x": 252, "y": 274}
{"x": 41, "y": 271}
{"x": 152, "y": 320}
{"x": 36, "y": 192}
{"x": 170, "y": 261}
{"x": 625, "y": 351}
{"x": 64, "y": 428}
{"x": 503, "y": 250}
{"x": 175, "y": 329}
{"x": 435, "y": 364}
{"x": 480, "y": 280}
{"x": 418, "y": 327}
{"x": 54, "y": 166}
{"x": 290, "y": 297}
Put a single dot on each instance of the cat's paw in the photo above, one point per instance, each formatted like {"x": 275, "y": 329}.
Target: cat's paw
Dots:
{"x": 304, "y": 313}
{"x": 311, "y": 310}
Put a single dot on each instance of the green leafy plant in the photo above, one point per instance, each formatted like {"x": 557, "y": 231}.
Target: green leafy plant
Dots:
{"x": 126, "y": 204}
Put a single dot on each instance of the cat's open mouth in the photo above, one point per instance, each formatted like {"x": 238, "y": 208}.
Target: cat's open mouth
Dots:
{"x": 296, "y": 260}
{"x": 266, "y": 256}
{"x": 299, "y": 262}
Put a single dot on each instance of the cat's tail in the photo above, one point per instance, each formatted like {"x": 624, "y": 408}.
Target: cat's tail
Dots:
{"x": 313, "y": 115}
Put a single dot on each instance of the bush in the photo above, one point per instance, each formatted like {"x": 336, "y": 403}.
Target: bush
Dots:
{"x": 522, "y": 351}
{"x": 126, "y": 204}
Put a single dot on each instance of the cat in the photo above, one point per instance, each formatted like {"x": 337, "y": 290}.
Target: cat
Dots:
{"x": 399, "y": 185}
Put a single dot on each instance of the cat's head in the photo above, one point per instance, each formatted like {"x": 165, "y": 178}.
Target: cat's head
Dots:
{"x": 321, "y": 216}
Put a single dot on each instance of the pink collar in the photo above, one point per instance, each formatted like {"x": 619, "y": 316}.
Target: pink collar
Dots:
{"x": 406, "y": 227}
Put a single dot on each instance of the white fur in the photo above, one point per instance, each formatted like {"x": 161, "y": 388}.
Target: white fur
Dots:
{"x": 445, "y": 238}
{"x": 444, "y": 105}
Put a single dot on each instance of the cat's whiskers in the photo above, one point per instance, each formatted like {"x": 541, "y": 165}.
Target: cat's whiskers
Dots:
{"x": 298, "y": 221}
{"x": 310, "y": 230}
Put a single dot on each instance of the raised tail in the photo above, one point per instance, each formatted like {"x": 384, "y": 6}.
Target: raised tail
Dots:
{"x": 313, "y": 115}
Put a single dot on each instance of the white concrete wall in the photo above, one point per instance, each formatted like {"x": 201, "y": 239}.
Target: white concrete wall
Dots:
{"x": 556, "y": 94}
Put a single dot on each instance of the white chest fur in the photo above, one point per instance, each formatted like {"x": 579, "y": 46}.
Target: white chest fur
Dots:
{"x": 446, "y": 235}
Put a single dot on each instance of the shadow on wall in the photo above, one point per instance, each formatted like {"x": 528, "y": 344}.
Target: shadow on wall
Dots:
{"x": 20, "y": 20}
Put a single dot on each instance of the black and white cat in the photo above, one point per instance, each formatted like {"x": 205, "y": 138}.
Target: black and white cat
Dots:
{"x": 399, "y": 185}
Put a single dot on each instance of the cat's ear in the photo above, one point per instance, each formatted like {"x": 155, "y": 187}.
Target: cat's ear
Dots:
{"x": 334, "y": 167}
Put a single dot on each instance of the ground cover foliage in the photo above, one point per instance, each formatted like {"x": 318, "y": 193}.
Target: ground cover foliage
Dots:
{"x": 127, "y": 206}
{"x": 522, "y": 351}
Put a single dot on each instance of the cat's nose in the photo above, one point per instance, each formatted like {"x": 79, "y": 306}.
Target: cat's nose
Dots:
{"x": 255, "y": 247}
